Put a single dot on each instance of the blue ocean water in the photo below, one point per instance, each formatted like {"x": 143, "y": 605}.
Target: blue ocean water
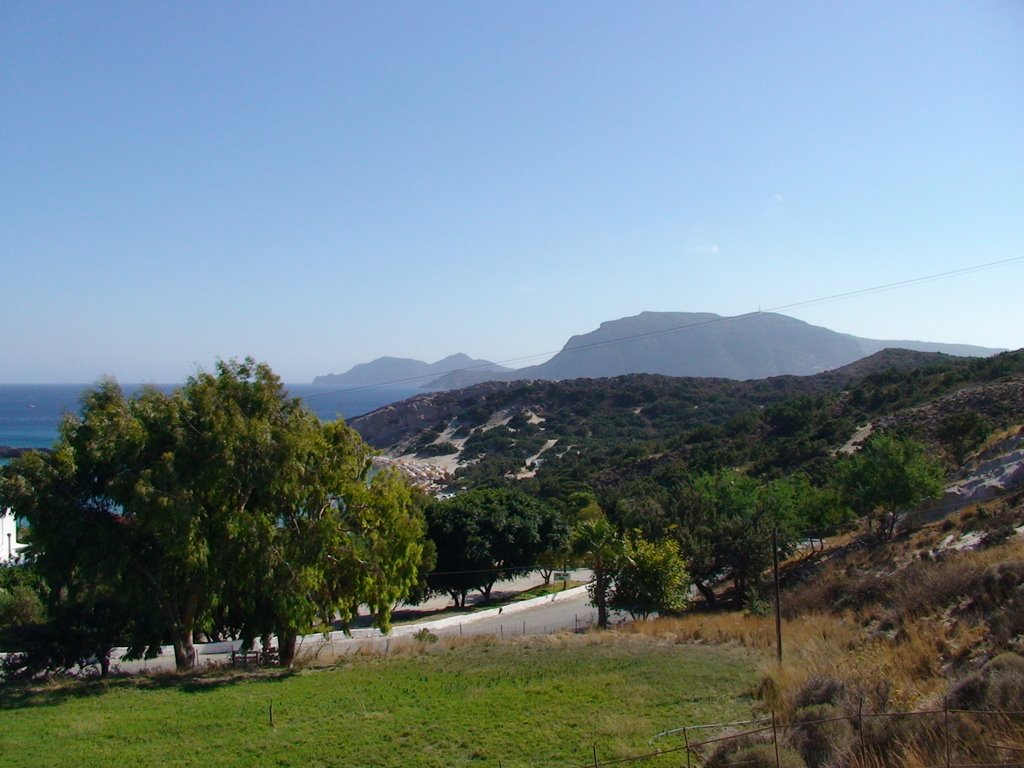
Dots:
{"x": 31, "y": 413}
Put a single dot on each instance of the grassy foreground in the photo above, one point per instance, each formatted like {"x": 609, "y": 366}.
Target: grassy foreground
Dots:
{"x": 542, "y": 701}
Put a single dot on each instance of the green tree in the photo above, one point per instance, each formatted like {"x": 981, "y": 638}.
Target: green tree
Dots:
{"x": 225, "y": 501}
{"x": 600, "y": 547}
{"x": 651, "y": 577}
{"x": 334, "y": 542}
{"x": 723, "y": 521}
{"x": 21, "y": 600}
{"x": 487, "y": 535}
{"x": 818, "y": 509}
{"x": 962, "y": 432}
{"x": 888, "y": 476}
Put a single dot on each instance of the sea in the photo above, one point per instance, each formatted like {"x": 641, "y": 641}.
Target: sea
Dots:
{"x": 31, "y": 413}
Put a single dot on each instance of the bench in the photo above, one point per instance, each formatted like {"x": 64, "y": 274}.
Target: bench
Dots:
{"x": 245, "y": 658}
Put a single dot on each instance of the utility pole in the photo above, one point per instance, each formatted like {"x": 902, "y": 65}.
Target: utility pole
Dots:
{"x": 778, "y": 606}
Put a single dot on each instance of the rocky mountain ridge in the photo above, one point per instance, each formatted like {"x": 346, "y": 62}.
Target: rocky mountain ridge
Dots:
{"x": 758, "y": 345}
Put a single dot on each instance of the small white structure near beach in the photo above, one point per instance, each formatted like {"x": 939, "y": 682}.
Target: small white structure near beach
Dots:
{"x": 9, "y": 546}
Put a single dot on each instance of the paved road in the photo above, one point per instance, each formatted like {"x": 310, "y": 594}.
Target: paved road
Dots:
{"x": 558, "y": 612}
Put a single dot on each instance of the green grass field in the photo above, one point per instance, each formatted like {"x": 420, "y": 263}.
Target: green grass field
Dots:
{"x": 539, "y": 702}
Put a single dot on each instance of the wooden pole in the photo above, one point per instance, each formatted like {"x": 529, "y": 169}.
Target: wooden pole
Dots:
{"x": 775, "y": 740}
{"x": 945, "y": 711}
{"x": 778, "y": 603}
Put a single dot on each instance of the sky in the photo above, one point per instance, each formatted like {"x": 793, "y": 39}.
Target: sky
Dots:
{"x": 320, "y": 184}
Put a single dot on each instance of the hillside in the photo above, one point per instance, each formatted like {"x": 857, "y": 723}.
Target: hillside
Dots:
{"x": 593, "y": 431}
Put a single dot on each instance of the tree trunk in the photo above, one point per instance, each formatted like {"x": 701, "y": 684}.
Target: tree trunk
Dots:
{"x": 739, "y": 584}
{"x": 182, "y": 623}
{"x": 184, "y": 651}
{"x": 286, "y": 640}
{"x": 706, "y": 592}
{"x": 891, "y": 525}
{"x": 602, "y": 612}
{"x": 600, "y": 598}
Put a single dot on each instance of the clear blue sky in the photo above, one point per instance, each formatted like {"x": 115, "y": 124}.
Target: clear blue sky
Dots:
{"x": 317, "y": 185}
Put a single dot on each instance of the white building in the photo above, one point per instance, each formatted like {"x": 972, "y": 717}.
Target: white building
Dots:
{"x": 9, "y": 546}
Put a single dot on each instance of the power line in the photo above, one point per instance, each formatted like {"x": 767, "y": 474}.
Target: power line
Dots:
{"x": 857, "y": 293}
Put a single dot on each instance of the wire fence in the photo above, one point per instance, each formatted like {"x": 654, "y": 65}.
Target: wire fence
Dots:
{"x": 936, "y": 738}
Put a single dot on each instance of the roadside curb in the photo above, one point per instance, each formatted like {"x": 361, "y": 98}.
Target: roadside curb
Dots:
{"x": 465, "y": 618}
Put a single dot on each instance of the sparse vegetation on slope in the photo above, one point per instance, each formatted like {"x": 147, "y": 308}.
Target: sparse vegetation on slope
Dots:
{"x": 609, "y": 431}
{"x": 879, "y": 628}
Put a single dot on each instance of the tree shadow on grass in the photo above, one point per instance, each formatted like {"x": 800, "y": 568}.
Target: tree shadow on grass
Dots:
{"x": 58, "y": 690}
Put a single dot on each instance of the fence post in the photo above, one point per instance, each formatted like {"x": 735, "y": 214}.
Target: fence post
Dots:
{"x": 524, "y": 627}
{"x": 686, "y": 740}
{"x": 775, "y": 740}
{"x": 945, "y": 718}
{"x": 860, "y": 727}
{"x": 596, "y": 764}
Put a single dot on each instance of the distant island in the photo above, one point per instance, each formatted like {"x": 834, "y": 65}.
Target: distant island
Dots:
{"x": 400, "y": 371}
{"x": 11, "y": 452}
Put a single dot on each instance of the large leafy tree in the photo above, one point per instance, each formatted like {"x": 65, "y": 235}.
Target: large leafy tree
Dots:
{"x": 487, "y": 535}
{"x": 723, "y": 521}
{"x": 651, "y": 577}
{"x": 888, "y": 476}
{"x": 223, "y": 502}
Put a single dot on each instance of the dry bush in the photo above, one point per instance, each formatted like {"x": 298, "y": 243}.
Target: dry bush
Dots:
{"x": 757, "y": 632}
{"x": 821, "y": 734}
{"x": 973, "y": 739}
{"x": 820, "y": 690}
{"x": 999, "y": 583}
{"x": 902, "y": 740}
{"x": 927, "y": 586}
{"x": 752, "y": 751}
{"x": 844, "y": 669}
{"x": 999, "y": 685}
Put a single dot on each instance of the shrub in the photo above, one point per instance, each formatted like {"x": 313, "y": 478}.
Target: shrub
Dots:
{"x": 999, "y": 581}
{"x": 821, "y": 735}
{"x": 1005, "y": 682}
{"x": 753, "y": 755}
{"x": 818, "y": 691}
{"x": 999, "y": 685}
{"x": 437, "y": 449}
{"x": 890, "y": 737}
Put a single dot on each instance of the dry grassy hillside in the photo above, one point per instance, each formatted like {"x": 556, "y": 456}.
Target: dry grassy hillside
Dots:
{"x": 929, "y": 622}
